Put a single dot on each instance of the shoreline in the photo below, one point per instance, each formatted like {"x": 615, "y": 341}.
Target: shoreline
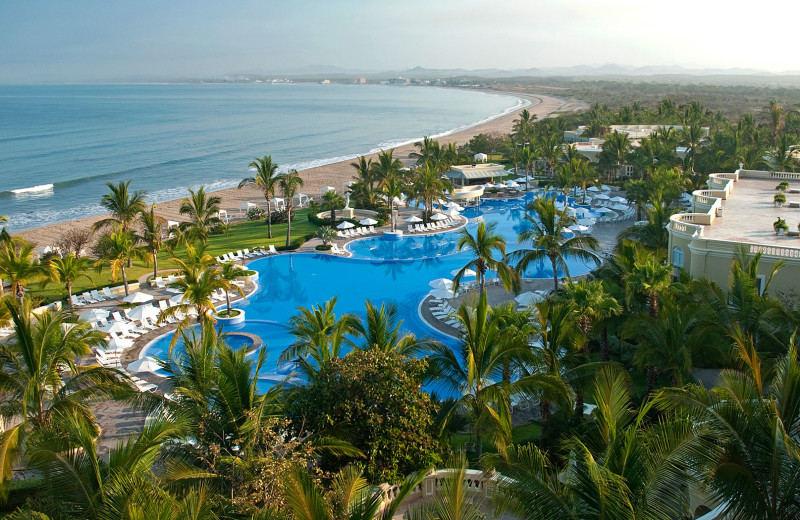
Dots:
{"x": 334, "y": 174}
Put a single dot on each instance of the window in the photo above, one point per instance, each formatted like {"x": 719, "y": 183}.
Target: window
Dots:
{"x": 677, "y": 257}
{"x": 761, "y": 280}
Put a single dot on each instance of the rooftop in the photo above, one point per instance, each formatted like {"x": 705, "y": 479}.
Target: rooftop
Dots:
{"x": 476, "y": 171}
{"x": 749, "y": 212}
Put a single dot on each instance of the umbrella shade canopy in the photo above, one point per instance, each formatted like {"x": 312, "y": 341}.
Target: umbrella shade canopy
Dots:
{"x": 528, "y": 298}
{"x": 138, "y": 297}
{"x": 602, "y": 197}
{"x": 367, "y": 221}
{"x": 327, "y": 188}
{"x": 114, "y": 327}
{"x": 468, "y": 272}
{"x": 441, "y": 283}
{"x": 593, "y": 188}
{"x": 512, "y": 184}
{"x": 520, "y": 179}
{"x": 605, "y": 188}
{"x": 143, "y": 312}
{"x": 580, "y": 228}
{"x": 413, "y": 219}
{"x": 619, "y": 207}
{"x": 604, "y": 210}
{"x": 176, "y": 300}
{"x": 587, "y": 222}
{"x": 439, "y": 216}
{"x": 621, "y": 200}
{"x": 453, "y": 212}
{"x": 443, "y": 294}
{"x": 345, "y": 225}
{"x": 146, "y": 364}
{"x": 95, "y": 314}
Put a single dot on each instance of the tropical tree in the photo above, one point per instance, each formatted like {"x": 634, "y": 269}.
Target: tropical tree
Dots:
{"x": 202, "y": 210}
{"x": 393, "y": 188}
{"x": 229, "y": 272}
{"x": 18, "y": 266}
{"x": 649, "y": 277}
{"x": 548, "y": 240}
{"x": 320, "y": 335}
{"x": 326, "y": 234}
{"x": 4, "y": 236}
{"x": 454, "y": 498}
{"x": 151, "y": 234}
{"x": 381, "y": 331}
{"x": 42, "y": 385}
{"x": 123, "y": 205}
{"x": 616, "y": 147}
{"x": 781, "y": 158}
{"x": 428, "y": 187}
{"x": 364, "y": 173}
{"x": 523, "y": 126}
{"x": 653, "y": 234}
{"x": 266, "y": 180}
{"x": 67, "y": 270}
{"x": 118, "y": 249}
{"x": 289, "y": 183}
{"x": 386, "y": 166}
{"x": 482, "y": 246}
{"x": 591, "y": 303}
{"x": 332, "y": 201}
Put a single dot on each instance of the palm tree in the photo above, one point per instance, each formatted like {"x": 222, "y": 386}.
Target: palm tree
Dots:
{"x": 350, "y": 498}
{"x": 67, "y": 270}
{"x": 202, "y": 210}
{"x": 229, "y": 271}
{"x": 523, "y": 125}
{"x": 547, "y": 238}
{"x": 333, "y": 200}
{"x": 653, "y": 234}
{"x": 289, "y": 183}
{"x": 393, "y": 188}
{"x": 429, "y": 151}
{"x": 319, "y": 334}
{"x": 151, "y": 234}
{"x": 781, "y": 158}
{"x": 123, "y": 206}
{"x": 266, "y": 180}
{"x": 615, "y": 150}
{"x": 386, "y": 166}
{"x": 18, "y": 266}
{"x": 326, "y": 234}
{"x": 4, "y": 236}
{"x": 41, "y": 383}
{"x": 118, "y": 249}
{"x": 381, "y": 331}
{"x": 428, "y": 187}
{"x": 482, "y": 246}
{"x": 649, "y": 277}
{"x": 364, "y": 171}
{"x": 591, "y": 302}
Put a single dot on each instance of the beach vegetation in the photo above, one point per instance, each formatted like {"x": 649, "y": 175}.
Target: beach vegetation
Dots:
{"x": 331, "y": 201}
{"x": 67, "y": 270}
{"x": 265, "y": 179}
{"x": 123, "y": 205}
{"x": 151, "y": 234}
{"x": 289, "y": 184}
{"x": 19, "y": 266}
{"x": 202, "y": 210}
{"x": 326, "y": 234}
{"x": 118, "y": 249}
{"x": 484, "y": 247}
{"x": 74, "y": 240}
{"x": 256, "y": 214}
{"x": 428, "y": 187}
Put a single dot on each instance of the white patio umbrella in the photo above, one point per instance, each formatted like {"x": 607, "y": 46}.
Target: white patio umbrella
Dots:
{"x": 528, "y": 298}
{"x": 138, "y": 297}
{"x": 143, "y": 312}
{"x": 345, "y": 225}
{"x": 95, "y": 314}
{"x": 453, "y": 212}
{"x": 593, "y": 189}
{"x": 468, "y": 272}
{"x": 512, "y": 184}
{"x": 587, "y": 222}
{"x": 442, "y": 294}
{"x": 367, "y": 222}
{"x": 579, "y": 228}
{"x": 114, "y": 327}
{"x": 439, "y": 216}
{"x": 619, "y": 207}
{"x": 602, "y": 197}
{"x": 605, "y": 188}
{"x": 621, "y": 200}
{"x": 414, "y": 219}
{"x": 176, "y": 300}
{"x": 119, "y": 343}
{"x": 327, "y": 188}
{"x": 146, "y": 364}
{"x": 520, "y": 179}
{"x": 441, "y": 283}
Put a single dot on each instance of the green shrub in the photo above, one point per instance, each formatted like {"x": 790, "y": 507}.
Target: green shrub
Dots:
{"x": 323, "y": 248}
{"x": 257, "y": 214}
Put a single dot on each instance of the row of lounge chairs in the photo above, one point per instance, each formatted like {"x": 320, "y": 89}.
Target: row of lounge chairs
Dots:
{"x": 432, "y": 226}
{"x": 93, "y": 296}
{"x": 356, "y": 232}
{"x": 243, "y": 254}
{"x": 111, "y": 358}
{"x": 162, "y": 282}
{"x": 444, "y": 312}
{"x": 337, "y": 251}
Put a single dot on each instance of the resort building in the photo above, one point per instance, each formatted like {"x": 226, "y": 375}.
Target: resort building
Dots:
{"x": 635, "y": 132}
{"x": 473, "y": 174}
{"x": 738, "y": 211}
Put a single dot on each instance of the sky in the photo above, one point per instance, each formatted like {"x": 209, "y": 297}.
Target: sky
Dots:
{"x": 111, "y": 40}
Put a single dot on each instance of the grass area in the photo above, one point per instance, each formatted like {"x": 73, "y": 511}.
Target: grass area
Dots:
{"x": 240, "y": 236}
{"x": 522, "y": 434}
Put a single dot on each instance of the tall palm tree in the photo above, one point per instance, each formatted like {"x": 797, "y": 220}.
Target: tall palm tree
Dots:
{"x": 393, "y": 188}
{"x": 18, "y": 266}
{"x": 151, "y": 235}
{"x": 319, "y": 334}
{"x": 289, "y": 183}
{"x": 364, "y": 173}
{"x": 648, "y": 277}
{"x": 386, "y": 166}
{"x": 428, "y": 187}
{"x": 548, "y": 240}
{"x": 123, "y": 205}
{"x": 333, "y": 200}
{"x": 483, "y": 246}
{"x": 118, "y": 248}
{"x": 67, "y": 270}
{"x": 4, "y": 236}
{"x": 229, "y": 271}
{"x": 201, "y": 209}
{"x": 616, "y": 147}
{"x": 381, "y": 331}
{"x": 41, "y": 382}
{"x": 266, "y": 180}
{"x": 430, "y": 150}
{"x": 591, "y": 303}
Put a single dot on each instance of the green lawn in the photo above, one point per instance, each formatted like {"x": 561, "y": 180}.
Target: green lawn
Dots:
{"x": 240, "y": 236}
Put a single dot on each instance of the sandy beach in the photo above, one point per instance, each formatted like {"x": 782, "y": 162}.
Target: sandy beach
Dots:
{"x": 335, "y": 174}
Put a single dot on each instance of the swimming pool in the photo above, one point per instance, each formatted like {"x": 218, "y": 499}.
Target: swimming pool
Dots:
{"x": 380, "y": 270}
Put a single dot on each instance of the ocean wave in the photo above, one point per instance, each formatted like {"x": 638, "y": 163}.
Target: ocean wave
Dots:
{"x": 33, "y": 189}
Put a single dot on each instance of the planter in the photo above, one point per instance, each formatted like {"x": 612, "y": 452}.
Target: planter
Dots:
{"x": 780, "y": 232}
{"x": 778, "y": 204}
{"x": 392, "y": 236}
{"x": 233, "y": 320}
{"x": 251, "y": 277}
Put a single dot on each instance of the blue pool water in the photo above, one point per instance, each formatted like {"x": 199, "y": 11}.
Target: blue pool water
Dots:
{"x": 380, "y": 271}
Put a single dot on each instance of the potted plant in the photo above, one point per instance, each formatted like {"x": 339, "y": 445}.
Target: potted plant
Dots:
{"x": 782, "y": 186}
{"x": 779, "y": 199}
{"x": 780, "y": 226}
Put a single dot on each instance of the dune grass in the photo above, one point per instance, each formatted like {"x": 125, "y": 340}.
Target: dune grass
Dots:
{"x": 240, "y": 236}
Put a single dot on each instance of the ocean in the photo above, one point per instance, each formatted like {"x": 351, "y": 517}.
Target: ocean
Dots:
{"x": 60, "y": 144}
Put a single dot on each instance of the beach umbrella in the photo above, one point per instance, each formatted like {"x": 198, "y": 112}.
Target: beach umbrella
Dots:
{"x": 327, "y": 188}
{"x": 345, "y": 225}
{"x": 95, "y": 315}
{"x": 593, "y": 189}
{"x": 528, "y": 298}
{"x": 119, "y": 344}
{"x": 439, "y": 216}
{"x": 113, "y": 327}
{"x": 512, "y": 184}
{"x": 138, "y": 297}
{"x": 441, "y": 283}
{"x": 602, "y": 197}
{"x": 468, "y": 272}
{"x": 621, "y": 200}
{"x": 605, "y": 188}
{"x": 143, "y": 312}
{"x": 453, "y": 212}
{"x": 619, "y": 207}
{"x": 414, "y": 219}
{"x": 367, "y": 222}
{"x": 442, "y": 294}
{"x": 520, "y": 179}
{"x": 604, "y": 210}
{"x": 587, "y": 222}
{"x": 146, "y": 364}
{"x": 579, "y": 228}
{"x": 176, "y": 300}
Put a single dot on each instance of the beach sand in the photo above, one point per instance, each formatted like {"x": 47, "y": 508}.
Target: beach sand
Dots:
{"x": 335, "y": 174}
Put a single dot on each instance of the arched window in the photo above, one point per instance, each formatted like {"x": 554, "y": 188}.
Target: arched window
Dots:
{"x": 677, "y": 256}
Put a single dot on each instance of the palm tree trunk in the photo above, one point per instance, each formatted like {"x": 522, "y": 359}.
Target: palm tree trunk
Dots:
{"x": 555, "y": 275}
{"x": 288, "y": 223}
{"x": 155, "y": 264}
{"x": 544, "y": 412}
{"x": 478, "y": 444}
{"x": 604, "y": 351}
{"x": 124, "y": 279}
{"x": 269, "y": 219}
{"x": 652, "y": 379}
{"x": 69, "y": 294}
{"x": 652, "y": 303}
{"x": 228, "y": 302}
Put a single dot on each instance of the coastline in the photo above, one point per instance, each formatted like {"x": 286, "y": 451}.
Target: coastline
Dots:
{"x": 333, "y": 174}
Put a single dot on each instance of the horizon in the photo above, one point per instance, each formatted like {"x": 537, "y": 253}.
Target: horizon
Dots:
{"x": 84, "y": 41}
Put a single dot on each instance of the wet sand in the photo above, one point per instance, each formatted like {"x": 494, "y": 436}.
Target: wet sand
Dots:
{"x": 335, "y": 174}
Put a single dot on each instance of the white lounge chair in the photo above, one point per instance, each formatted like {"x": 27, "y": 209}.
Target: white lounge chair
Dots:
{"x": 87, "y": 297}
{"x": 335, "y": 250}
{"x": 77, "y": 302}
{"x": 272, "y": 250}
{"x": 97, "y": 296}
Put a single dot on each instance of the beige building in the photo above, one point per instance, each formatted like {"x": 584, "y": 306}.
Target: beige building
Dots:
{"x": 737, "y": 210}
{"x": 472, "y": 174}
